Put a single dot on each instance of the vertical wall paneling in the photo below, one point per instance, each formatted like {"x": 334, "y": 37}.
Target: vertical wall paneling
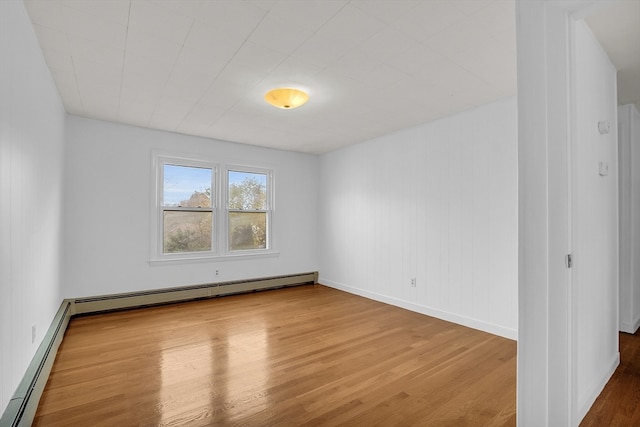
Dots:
{"x": 31, "y": 167}
{"x": 439, "y": 202}
{"x": 480, "y": 235}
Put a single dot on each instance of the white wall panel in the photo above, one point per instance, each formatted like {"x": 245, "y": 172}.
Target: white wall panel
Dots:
{"x": 438, "y": 203}
{"x": 629, "y": 170}
{"x": 544, "y": 121}
{"x": 108, "y": 191}
{"x": 31, "y": 163}
{"x": 595, "y": 221}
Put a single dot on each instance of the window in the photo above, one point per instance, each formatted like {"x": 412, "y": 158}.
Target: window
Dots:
{"x": 198, "y": 214}
{"x": 247, "y": 210}
{"x": 187, "y": 209}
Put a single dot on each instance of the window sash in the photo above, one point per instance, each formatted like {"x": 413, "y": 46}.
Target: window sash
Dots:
{"x": 187, "y": 231}
{"x": 267, "y": 211}
{"x": 163, "y": 208}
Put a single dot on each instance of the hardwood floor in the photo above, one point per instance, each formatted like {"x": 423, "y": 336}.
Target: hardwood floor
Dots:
{"x": 307, "y": 355}
{"x": 619, "y": 402}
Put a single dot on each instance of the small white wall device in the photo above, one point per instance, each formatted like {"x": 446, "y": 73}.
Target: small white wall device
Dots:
{"x": 604, "y": 168}
{"x": 603, "y": 127}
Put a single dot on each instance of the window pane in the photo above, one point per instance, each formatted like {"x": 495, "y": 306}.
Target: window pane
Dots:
{"x": 187, "y": 231}
{"x": 186, "y": 186}
{"x": 247, "y": 190}
{"x": 247, "y": 230}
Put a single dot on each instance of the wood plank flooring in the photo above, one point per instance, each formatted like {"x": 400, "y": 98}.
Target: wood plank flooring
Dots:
{"x": 619, "y": 402}
{"x": 307, "y": 355}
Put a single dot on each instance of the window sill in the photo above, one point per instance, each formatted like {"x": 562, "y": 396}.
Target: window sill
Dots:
{"x": 245, "y": 255}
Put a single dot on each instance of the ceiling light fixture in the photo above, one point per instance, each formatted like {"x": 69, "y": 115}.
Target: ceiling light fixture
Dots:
{"x": 286, "y": 98}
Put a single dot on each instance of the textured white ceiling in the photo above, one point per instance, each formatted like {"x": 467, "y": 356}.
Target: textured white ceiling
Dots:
{"x": 201, "y": 67}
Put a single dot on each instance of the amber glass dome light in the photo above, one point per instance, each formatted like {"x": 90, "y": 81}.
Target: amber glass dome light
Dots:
{"x": 286, "y": 98}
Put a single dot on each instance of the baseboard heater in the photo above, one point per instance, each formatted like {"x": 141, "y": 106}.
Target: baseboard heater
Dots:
{"x": 22, "y": 407}
{"x": 187, "y": 293}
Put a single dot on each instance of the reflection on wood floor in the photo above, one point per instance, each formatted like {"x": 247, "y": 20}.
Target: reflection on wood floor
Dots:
{"x": 307, "y": 355}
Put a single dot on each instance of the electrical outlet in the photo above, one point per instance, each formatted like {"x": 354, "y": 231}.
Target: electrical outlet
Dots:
{"x": 413, "y": 282}
{"x": 217, "y": 273}
{"x": 33, "y": 334}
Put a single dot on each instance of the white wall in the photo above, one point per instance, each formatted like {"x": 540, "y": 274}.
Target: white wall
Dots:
{"x": 437, "y": 202}
{"x": 629, "y": 172}
{"x": 595, "y": 221}
{"x": 109, "y": 186}
{"x": 567, "y": 346}
{"x": 31, "y": 159}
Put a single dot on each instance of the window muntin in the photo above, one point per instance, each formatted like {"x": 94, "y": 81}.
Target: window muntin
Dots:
{"x": 248, "y": 209}
{"x": 187, "y": 208}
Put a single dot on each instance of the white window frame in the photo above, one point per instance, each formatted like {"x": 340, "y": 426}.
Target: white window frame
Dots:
{"x": 219, "y": 203}
{"x": 268, "y": 211}
{"x": 158, "y": 208}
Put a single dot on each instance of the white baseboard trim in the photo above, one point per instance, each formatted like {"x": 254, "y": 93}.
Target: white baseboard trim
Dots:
{"x": 429, "y": 311}
{"x": 630, "y": 328}
{"x": 593, "y": 394}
